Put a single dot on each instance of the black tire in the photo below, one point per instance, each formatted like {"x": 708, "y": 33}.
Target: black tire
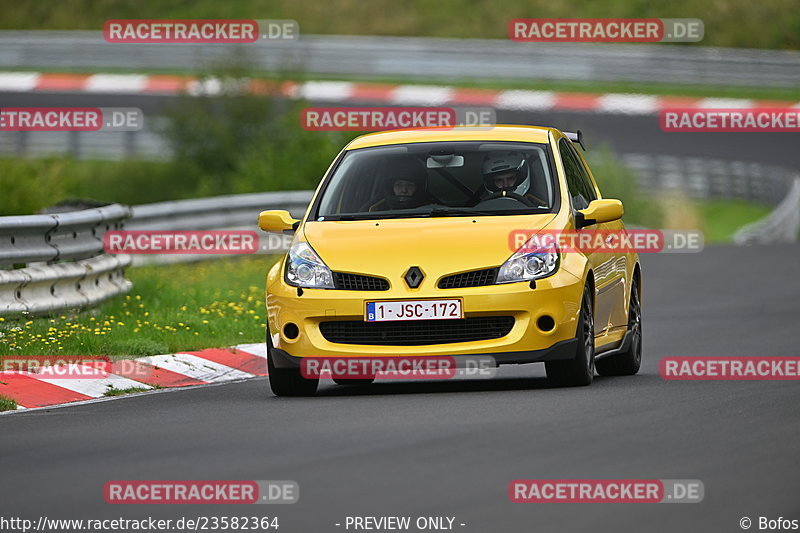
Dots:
{"x": 577, "y": 372}
{"x": 288, "y": 381}
{"x": 627, "y": 363}
{"x": 346, "y": 381}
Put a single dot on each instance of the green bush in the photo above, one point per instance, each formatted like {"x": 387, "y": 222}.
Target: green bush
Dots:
{"x": 31, "y": 184}
{"x": 617, "y": 181}
{"x": 7, "y": 404}
{"x": 237, "y": 142}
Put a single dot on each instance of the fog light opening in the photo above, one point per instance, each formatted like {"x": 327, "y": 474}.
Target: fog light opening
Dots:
{"x": 546, "y": 323}
{"x": 290, "y": 330}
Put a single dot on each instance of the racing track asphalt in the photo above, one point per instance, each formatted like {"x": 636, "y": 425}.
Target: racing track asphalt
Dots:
{"x": 451, "y": 448}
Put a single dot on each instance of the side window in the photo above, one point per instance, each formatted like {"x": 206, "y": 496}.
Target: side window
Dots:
{"x": 581, "y": 195}
{"x": 587, "y": 181}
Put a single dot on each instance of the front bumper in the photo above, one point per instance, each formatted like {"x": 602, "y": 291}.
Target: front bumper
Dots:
{"x": 557, "y": 296}
{"x": 561, "y": 351}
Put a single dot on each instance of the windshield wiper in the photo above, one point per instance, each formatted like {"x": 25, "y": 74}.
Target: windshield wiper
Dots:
{"x": 376, "y": 216}
{"x": 458, "y": 212}
{"x": 345, "y": 217}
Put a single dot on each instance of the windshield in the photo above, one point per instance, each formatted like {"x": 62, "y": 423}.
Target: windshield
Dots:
{"x": 439, "y": 179}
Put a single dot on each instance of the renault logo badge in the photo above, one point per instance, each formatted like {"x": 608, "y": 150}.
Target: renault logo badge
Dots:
{"x": 414, "y": 277}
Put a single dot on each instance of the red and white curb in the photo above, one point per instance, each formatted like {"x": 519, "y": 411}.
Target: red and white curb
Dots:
{"x": 182, "y": 369}
{"x": 377, "y": 93}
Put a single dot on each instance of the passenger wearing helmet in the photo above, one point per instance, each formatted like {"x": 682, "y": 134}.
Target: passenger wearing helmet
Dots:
{"x": 508, "y": 174}
{"x": 405, "y": 185}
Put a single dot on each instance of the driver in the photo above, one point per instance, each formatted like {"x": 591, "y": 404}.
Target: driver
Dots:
{"x": 405, "y": 186}
{"x": 507, "y": 173}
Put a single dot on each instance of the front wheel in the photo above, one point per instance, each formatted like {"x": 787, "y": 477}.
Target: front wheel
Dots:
{"x": 577, "y": 372}
{"x": 288, "y": 381}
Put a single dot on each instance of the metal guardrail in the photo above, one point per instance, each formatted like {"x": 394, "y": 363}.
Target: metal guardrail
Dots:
{"x": 62, "y": 259}
{"x": 61, "y": 255}
{"x": 705, "y": 178}
{"x": 782, "y": 225}
{"x": 215, "y": 213}
{"x": 238, "y": 211}
{"x": 421, "y": 58}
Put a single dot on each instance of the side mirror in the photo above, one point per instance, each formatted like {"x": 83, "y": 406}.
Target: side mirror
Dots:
{"x": 599, "y": 211}
{"x": 277, "y": 221}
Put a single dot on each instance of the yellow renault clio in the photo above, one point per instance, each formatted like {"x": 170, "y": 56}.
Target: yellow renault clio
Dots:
{"x": 406, "y": 250}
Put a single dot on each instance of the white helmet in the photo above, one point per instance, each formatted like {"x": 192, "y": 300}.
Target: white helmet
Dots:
{"x": 497, "y": 163}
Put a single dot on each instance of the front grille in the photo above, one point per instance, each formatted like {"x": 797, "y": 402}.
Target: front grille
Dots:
{"x": 475, "y": 278}
{"x": 359, "y": 282}
{"x": 417, "y": 332}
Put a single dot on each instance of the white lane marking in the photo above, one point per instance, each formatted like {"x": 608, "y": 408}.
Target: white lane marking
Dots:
{"x": 724, "y": 103}
{"x": 116, "y": 83}
{"x": 421, "y": 95}
{"x": 325, "y": 90}
{"x": 18, "y": 81}
{"x": 258, "y": 349}
{"x": 124, "y": 396}
{"x": 632, "y": 104}
{"x": 93, "y": 387}
{"x": 534, "y": 100}
{"x": 195, "y": 367}
{"x": 206, "y": 86}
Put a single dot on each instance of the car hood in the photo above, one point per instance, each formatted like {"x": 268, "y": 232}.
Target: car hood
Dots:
{"x": 438, "y": 246}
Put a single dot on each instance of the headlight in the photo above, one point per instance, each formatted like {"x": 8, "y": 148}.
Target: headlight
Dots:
{"x": 305, "y": 269}
{"x": 529, "y": 265}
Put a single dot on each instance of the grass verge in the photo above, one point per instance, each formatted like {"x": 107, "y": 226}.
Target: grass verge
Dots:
{"x": 7, "y": 404}
{"x": 721, "y": 218}
{"x": 122, "y": 392}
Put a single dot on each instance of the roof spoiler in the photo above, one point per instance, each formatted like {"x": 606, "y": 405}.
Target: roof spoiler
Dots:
{"x": 576, "y": 137}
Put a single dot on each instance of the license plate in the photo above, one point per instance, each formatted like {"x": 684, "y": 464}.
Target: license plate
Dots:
{"x": 413, "y": 310}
